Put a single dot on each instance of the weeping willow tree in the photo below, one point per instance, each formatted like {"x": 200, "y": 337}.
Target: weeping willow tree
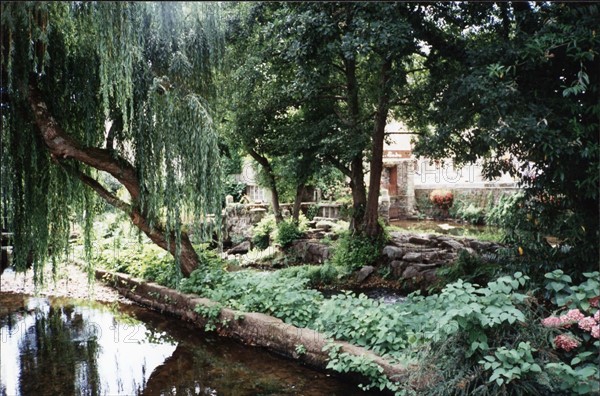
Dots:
{"x": 107, "y": 87}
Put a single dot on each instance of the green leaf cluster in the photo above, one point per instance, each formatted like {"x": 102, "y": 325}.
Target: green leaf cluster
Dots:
{"x": 563, "y": 293}
{"x": 510, "y": 364}
{"x": 287, "y": 232}
{"x": 514, "y": 87}
{"x": 354, "y": 251}
{"x": 282, "y": 296}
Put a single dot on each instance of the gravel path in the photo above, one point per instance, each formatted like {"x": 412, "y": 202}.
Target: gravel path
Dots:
{"x": 71, "y": 281}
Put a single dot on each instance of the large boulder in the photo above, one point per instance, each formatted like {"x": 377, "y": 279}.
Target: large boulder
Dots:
{"x": 364, "y": 273}
{"x": 419, "y": 240}
{"x": 413, "y": 257}
{"x": 324, "y": 225}
{"x": 397, "y": 267}
{"x": 242, "y": 248}
{"x": 452, "y": 244}
{"x": 393, "y": 252}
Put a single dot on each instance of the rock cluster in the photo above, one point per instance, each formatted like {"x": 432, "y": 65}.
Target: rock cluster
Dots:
{"x": 311, "y": 251}
{"x": 417, "y": 257}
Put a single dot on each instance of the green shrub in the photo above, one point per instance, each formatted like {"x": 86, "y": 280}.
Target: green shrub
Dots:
{"x": 233, "y": 187}
{"x": 363, "y": 321}
{"x": 315, "y": 274}
{"x": 147, "y": 261}
{"x": 471, "y": 214}
{"x": 356, "y": 251}
{"x": 521, "y": 222}
{"x": 271, "y": 293}
{"x": 470, "y": 268}
{"x": 287, "y": 232}
{"x": 312, "y": 211}
{"x": 261, "y": 233}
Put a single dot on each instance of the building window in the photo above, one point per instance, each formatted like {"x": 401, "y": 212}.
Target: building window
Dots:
{"x": 256, "y": 193}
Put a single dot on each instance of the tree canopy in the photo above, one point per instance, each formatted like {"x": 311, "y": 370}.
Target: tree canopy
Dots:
{"x": 340, "y": 67}
{"x": 71, "y": 68}
{"x": 515, "y": 85}
{"x": 128, "y": 89}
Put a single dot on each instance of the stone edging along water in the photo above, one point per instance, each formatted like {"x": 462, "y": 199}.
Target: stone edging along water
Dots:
{"x": 252, "y": 328}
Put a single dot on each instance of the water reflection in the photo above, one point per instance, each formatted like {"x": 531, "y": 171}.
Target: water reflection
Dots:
{"x": 52, "y": 349}
{"x": 63, "y": 347}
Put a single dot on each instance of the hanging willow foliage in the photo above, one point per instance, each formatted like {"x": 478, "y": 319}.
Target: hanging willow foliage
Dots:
{"x": 70, "y": 69}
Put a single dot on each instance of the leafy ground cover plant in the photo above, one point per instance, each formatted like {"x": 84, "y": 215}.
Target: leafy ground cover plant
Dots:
{"x": 354, "y": 251}
{"x": 491, "y": 339}
{"x": 282, "y": 296}
{"x": 146, "y": 261}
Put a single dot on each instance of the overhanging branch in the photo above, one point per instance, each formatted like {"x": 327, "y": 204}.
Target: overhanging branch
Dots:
{"x": 62, "y": 146}
{"x": 338, "y": 164}
{"x": 110, "y": 198}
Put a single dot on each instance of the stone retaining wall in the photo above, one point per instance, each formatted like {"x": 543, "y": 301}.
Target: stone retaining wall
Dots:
{"x": 480, "y": 197}
{"x": 238, "y": 220}
{"x": 251, "y": 328}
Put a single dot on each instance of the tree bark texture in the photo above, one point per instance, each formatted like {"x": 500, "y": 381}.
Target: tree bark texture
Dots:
{"x": 264, "y": 162}
{"x": 372, "y": 227}
{"x": 62, "y": 147}
{"x": 357, "y": 183}
{"x": 298, "y": 202}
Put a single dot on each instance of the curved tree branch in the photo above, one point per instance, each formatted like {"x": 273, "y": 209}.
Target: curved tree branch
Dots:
{"x": 62, "y": 146}
{"x": 92, "y": 183}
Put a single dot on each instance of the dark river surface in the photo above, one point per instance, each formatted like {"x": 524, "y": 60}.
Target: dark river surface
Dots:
{"x": 57, "y": 346}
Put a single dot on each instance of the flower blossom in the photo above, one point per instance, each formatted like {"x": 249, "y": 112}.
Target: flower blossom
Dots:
{"x": 565, "y": 342}
{"x": 552, "y": 321}
{"x": 596, "y": 331}
{"x": 574, "y": 315}
{"x": 595, "y": 301}
{"x": 587, "y": 323}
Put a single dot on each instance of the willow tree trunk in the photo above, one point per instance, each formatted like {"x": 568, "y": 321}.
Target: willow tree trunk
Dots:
{"x": 63, "y": 148}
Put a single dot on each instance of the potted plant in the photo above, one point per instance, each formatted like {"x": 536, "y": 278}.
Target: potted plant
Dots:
{"x": 442, "y": 199}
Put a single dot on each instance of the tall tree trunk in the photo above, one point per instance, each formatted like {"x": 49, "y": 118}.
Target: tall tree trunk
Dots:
{"x": 372, "y": 227}
{"x": 275, "y": 199}
{"x": 264, "y": 162}
{"x": 62, "y": 147}
{"x": 359, "y": 195}
{"x": 357, "y": 183}
{"x": 298, "y": 201}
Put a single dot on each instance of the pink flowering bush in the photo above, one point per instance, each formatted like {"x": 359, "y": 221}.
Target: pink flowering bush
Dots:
{"x": 566, "y": 342}
{"x": 574, "y": 316}
{"x": 443, "y": 199}
{"x": 589, "y": 324}
{"x": 578, "y": 328}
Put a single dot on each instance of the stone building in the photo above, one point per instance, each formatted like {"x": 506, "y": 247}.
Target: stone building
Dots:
{"x": 406, "y": 179}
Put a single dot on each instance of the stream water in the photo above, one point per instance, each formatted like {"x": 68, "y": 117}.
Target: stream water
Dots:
{"x": 443, "y": 227}
{"x": 54, "y": 346}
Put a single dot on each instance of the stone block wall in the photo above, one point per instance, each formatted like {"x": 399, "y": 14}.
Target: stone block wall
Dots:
{"x": 238, "y": 220}
{"x": 480, "y": 197}
{"x": 401, "y": 188}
